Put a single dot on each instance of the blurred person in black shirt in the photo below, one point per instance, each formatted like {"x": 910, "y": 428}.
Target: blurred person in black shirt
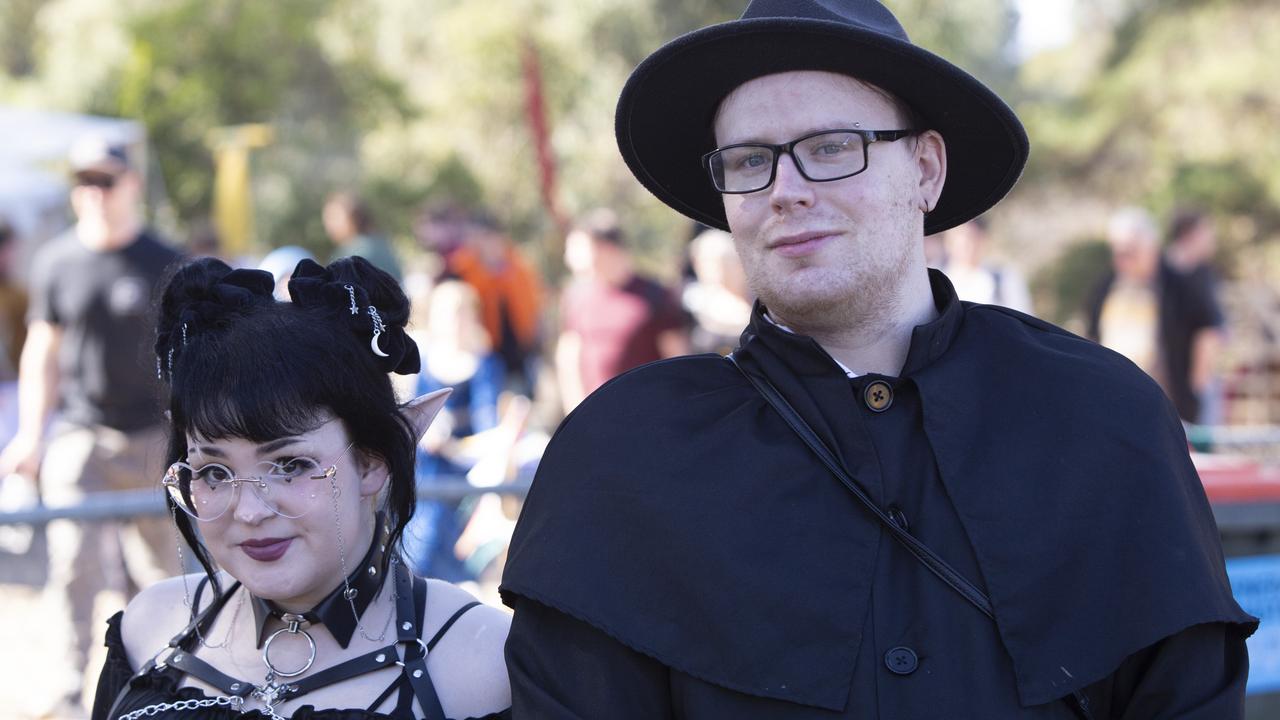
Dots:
{"x": 88, "y": 418}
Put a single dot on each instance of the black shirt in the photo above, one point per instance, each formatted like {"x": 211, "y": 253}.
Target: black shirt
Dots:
{"x": 102, "y": 303}
{"x": 1188, "y": 304}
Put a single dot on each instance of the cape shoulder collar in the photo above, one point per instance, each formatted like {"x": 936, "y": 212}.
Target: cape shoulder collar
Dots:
{"x": 804, "y": 357}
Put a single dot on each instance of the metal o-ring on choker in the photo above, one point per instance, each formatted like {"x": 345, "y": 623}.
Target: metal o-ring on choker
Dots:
{"x": 294, "y": 628}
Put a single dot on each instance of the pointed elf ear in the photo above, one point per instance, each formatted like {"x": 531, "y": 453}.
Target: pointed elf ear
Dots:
{"x": 423, "y": 409}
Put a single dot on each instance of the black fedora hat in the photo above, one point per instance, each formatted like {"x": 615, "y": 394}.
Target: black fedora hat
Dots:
{"x": 665, "y": 112}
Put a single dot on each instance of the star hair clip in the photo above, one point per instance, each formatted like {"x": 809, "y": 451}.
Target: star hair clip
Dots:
{"x": 351, "y": 292}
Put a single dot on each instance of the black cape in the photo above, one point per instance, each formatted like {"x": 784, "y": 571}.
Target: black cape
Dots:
{"x": 676, "y": 512}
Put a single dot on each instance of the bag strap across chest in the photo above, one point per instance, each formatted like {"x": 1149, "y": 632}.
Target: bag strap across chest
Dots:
{"x": 918, "y": 550}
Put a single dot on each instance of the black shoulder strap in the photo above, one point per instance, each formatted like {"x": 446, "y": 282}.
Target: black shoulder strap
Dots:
{"x": 431, "y": 644}
{"x": 174, "y": 648}
{"x": 415, "y": 656}
{"x": 919, "y": 550}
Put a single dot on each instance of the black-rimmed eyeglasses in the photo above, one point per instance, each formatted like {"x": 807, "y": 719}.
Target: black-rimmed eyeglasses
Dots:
{"x": 820, "y": 157}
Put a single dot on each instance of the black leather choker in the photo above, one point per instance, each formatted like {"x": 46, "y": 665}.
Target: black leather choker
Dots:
{"x": 334, "y": 612}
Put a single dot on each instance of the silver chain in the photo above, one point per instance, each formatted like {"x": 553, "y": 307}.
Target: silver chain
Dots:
{"x": 186, "y": 592}
{"x": 347, "y": 591}
{"x": 153, "y": 710}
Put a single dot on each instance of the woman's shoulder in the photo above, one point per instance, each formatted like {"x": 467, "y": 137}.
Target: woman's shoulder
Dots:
{"x": 159, "y": 612}
{"x": 467, "y": 663}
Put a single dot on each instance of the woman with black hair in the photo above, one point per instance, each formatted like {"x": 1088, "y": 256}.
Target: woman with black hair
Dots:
{"x": 291, "y": 477}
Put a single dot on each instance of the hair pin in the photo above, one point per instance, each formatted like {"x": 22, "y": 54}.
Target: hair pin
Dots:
{"x": 351, "y": 292}
{"x": 378, "y": 329}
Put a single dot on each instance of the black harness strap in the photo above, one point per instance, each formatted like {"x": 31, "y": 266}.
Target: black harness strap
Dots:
{"x": 180, "y": 643}
{"x": 367, "y": 663}
{"x": 208, "y": 674}
{"x": 414, "y": 681}
{"x": 415, "y": 664}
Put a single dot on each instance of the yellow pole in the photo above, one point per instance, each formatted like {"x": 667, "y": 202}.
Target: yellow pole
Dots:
{"x": 232, "y": 200}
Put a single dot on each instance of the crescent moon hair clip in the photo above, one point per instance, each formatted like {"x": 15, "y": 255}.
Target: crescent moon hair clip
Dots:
{"x": 378, "y": 329}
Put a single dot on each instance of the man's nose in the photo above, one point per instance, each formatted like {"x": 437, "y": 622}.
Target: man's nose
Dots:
{"x": 790, "y": 188}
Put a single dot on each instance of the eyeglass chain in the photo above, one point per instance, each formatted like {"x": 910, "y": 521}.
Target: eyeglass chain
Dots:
{"x": 186, "y": 592}
{"x": 349, "y": 592}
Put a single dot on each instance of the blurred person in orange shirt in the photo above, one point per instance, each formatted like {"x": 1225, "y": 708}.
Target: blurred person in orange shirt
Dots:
{"x": 510, "y": 292}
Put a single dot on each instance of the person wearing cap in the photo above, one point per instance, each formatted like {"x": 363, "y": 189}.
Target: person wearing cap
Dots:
{"x": 87, "y": 403}
{"x": 886, "y": 503}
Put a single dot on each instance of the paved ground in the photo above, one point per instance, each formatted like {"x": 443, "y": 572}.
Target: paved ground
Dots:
{"x": 28, "y": 636}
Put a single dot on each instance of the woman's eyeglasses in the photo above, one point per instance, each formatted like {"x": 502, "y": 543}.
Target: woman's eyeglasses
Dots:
{"x": 291, "y": 488}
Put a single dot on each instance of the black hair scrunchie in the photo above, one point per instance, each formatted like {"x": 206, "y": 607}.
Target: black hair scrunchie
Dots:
{"x": 201, "y": 307}
{"x": 314, "y": 286}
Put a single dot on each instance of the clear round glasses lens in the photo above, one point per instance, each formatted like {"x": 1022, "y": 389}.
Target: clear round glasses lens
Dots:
{"x": 748, "y": 168}
{"x": 290, "y": 489}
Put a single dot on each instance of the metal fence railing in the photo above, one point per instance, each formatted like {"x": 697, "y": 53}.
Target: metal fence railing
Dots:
{"x": 125, "y": 504}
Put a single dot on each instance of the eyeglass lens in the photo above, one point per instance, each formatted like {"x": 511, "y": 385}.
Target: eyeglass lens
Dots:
{"x": 290, "y": 489}
{"x": 747, "y": 168}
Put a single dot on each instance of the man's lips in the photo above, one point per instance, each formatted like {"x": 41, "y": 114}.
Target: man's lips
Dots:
{"x": 266, "y": 549}
{"x": 800, "y": 243}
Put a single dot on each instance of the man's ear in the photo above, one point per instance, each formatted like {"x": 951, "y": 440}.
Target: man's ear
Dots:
{"x": 423, "y": 409}
{"x": 931, "y": 156}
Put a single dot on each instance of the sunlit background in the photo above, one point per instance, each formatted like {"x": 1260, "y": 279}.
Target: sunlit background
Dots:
{"x": 251, "y": 113}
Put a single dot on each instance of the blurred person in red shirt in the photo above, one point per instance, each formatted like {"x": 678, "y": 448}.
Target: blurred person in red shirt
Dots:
{"x": 612, "y": 319}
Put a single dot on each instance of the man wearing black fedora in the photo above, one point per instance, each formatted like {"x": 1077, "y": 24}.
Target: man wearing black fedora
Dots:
{"x": 886, "y": 503}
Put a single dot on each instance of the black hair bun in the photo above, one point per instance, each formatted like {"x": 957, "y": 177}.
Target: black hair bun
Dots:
{"x": 368, "y": 301}
{"x": 202, "y": 296}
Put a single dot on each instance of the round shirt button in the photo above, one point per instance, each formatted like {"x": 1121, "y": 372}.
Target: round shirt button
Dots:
{"x": 901, "y": 660}
{"x": 878, "y": 396}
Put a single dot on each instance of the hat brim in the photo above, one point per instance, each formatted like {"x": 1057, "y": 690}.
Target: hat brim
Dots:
{"x": 665, "y": 112}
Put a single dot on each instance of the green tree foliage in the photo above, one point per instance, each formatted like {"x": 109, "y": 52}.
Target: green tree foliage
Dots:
{"x": 1173, "y": 112}
{"x": 977, "y": 35}
{"x": 196, "y": 65}
{"x": 411, "y": 101}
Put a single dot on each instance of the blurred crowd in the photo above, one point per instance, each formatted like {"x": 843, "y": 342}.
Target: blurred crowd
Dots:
{"x": 77, "y": 412}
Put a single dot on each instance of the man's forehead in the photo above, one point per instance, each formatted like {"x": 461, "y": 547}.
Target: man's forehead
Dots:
{"x": 828, "y": 97}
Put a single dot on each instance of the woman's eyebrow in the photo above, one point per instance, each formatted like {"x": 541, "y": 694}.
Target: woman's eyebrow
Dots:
{"x": 276, "y": 444}
{"x": 264, "y": 448}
